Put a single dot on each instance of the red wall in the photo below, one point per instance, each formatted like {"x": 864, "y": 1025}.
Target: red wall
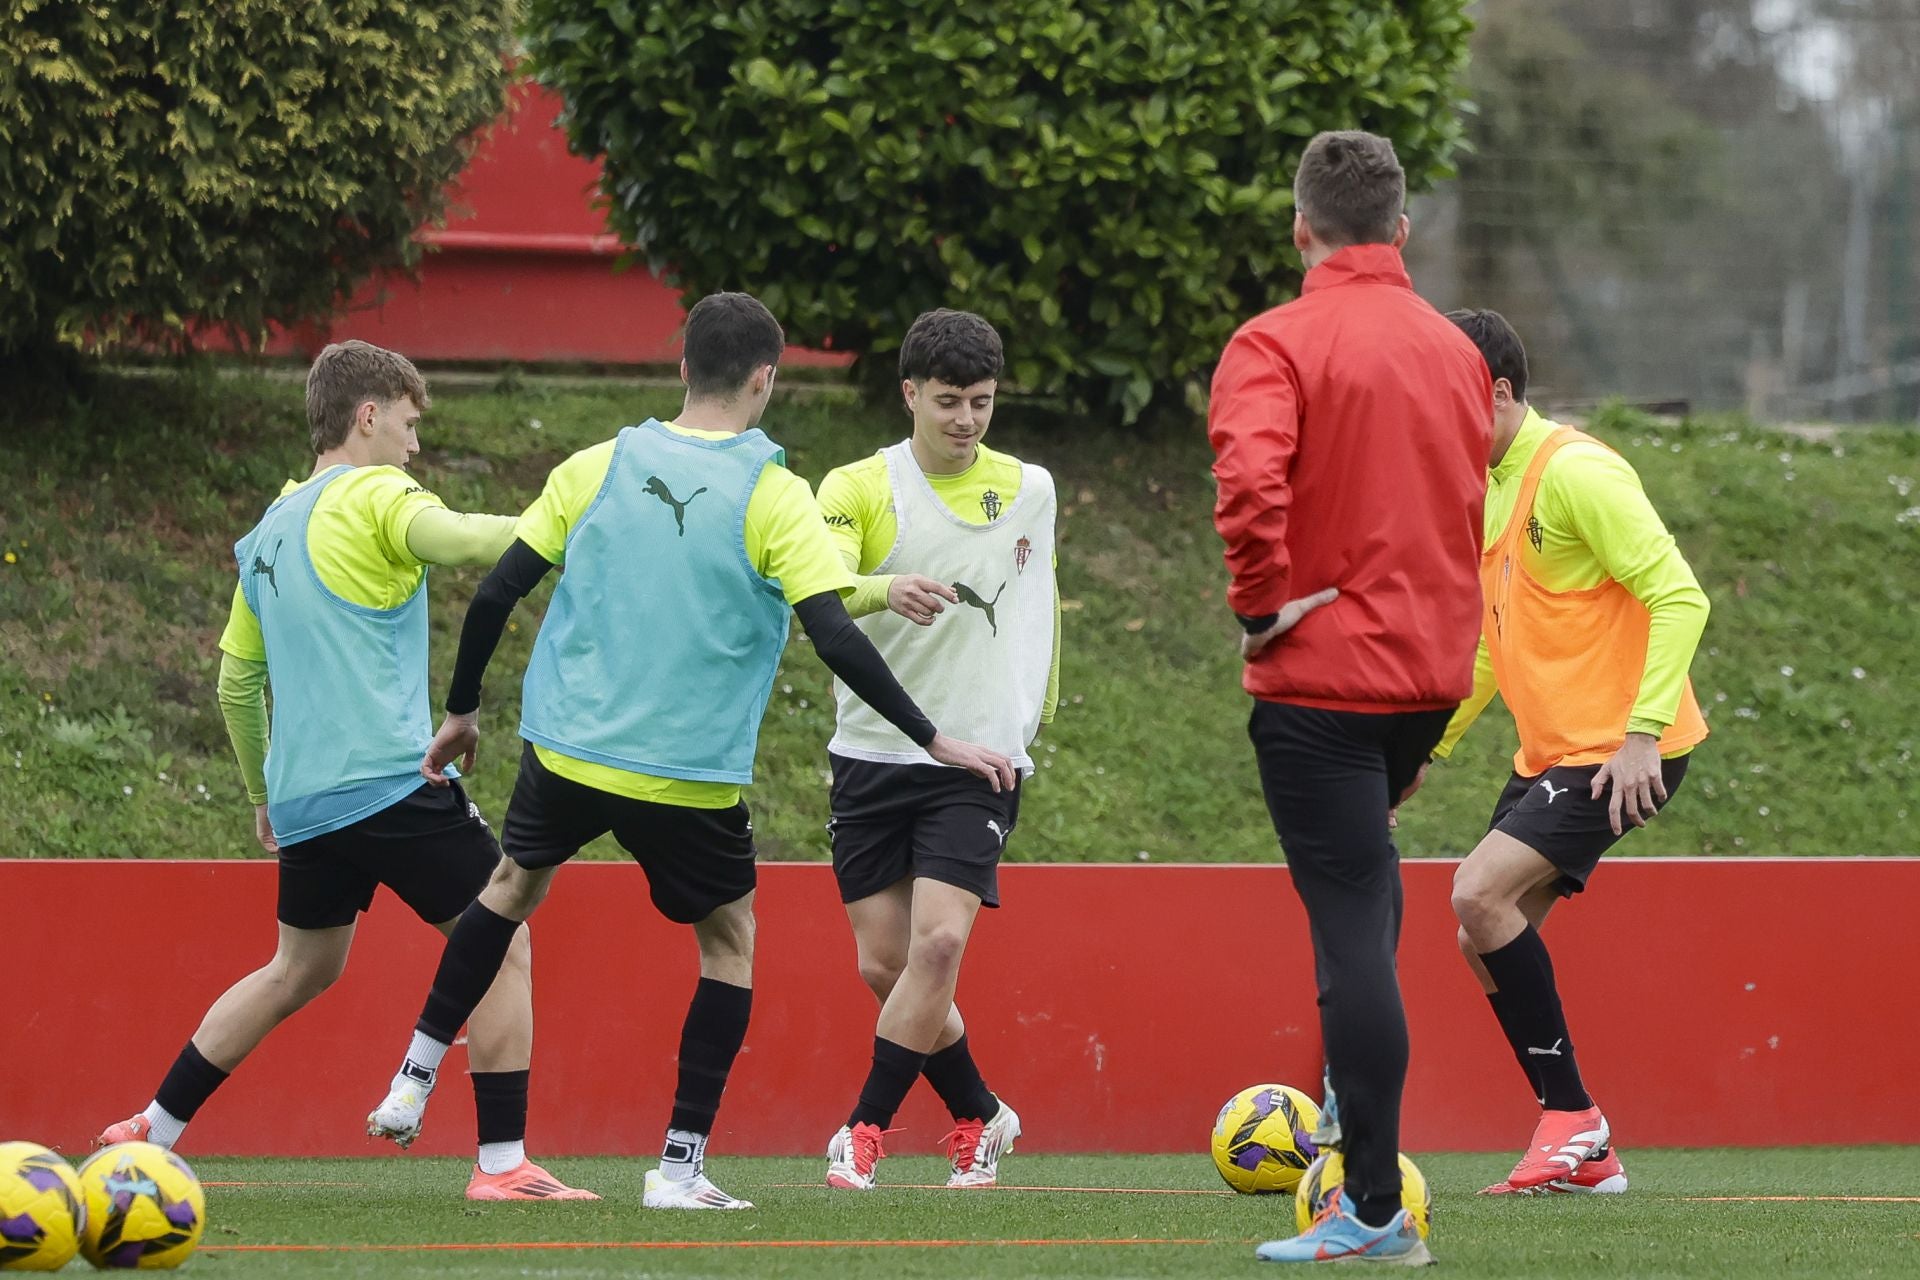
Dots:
{"x": 1721, "y": 1001}
{"x": 524, "y": 269}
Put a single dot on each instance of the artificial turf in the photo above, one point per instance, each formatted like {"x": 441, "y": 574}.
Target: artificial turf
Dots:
{"x": 412, "y": 1213}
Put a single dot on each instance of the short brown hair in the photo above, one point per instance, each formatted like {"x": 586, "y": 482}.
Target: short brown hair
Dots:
{"x": 1505, "y": 355}
{"x": 1350, "y": 188}
{"x": 729, "y": 335}
{"x": 344, "y": 376}
{"x": 957, "y": 347}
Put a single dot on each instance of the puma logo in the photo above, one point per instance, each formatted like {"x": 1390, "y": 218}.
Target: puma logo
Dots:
{"x": 266, "y": 566}
{"x": 995, "y": 828}
{"x": 969, "y": 596}
{"x": 1553, "y": 1052}
{"x": 1553, "y": 792}
{"x": 658, "y": 488}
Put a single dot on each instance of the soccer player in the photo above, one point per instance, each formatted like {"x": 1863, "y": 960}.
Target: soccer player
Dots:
{"x": 331, "y": 613}
{"x": 1592, "y": 618}
{"x": 954, "y": 544}
{"x": 685, "y": 546}
{"x": 1350, "y": 428}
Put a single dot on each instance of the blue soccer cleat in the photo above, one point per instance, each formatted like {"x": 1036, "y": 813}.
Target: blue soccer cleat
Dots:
{"x": 1326, "y": 1136}
{"x": 1338, "y": 1236}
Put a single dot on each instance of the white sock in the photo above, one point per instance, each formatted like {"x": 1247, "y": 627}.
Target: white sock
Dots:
{"x": 683, "y": 1155}
{"x": 422, "y": 1066}
{"x": 499, "y": 1157}
{"x": 167, "y": 1127}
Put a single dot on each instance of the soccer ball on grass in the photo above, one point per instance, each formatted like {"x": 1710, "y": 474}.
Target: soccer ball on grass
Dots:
{"x": 1262, "y": 1140}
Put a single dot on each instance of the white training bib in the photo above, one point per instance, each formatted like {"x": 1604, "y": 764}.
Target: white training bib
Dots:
{"x": 980, "y": 671}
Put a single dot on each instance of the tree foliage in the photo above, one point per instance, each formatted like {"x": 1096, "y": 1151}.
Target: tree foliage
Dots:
{"x": 1108, "y": 181}
{"x": 233, "y": 164}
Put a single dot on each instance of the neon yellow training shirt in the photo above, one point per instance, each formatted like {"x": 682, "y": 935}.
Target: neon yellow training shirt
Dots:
{"x": 857, "y": 501}
{"x": 1595, "y": 524}
{"x": 786, "y": 541}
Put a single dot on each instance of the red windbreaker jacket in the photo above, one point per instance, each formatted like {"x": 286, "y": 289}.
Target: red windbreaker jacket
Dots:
{"x": 1350, "y": 429}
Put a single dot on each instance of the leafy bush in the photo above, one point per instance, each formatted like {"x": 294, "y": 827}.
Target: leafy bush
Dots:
{"x": 1109, "y": 180}
{"x": 229, "y": 164}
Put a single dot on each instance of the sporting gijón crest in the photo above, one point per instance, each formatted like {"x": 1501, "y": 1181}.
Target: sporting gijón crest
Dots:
{"x": 1021, "y": 550}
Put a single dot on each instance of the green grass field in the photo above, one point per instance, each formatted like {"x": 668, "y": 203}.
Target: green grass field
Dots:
{"x": 1160, "y": 1216}
{"x": 121, "y": 507}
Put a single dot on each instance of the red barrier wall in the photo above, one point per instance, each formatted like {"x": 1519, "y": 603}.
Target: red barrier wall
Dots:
{"x": 524, "y": 269}
{"x": 1723, "y": 1001}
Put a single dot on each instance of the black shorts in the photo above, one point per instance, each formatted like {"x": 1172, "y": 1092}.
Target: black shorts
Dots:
{"x": 1554, "y": 814}
{"x": 431, "y": 848}
{"x": 891, "y": 821}
{"x": 696, "y": 860}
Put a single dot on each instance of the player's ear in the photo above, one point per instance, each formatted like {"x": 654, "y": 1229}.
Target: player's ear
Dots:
{"x": 909, "y": 393}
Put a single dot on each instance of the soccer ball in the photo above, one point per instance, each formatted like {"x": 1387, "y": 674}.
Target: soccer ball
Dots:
{"x": 1262, "y": 1139}
{"x": 1324, "y": 1176}
{"x": 41, "y": 1210}
{"x": 144, "y": 1207}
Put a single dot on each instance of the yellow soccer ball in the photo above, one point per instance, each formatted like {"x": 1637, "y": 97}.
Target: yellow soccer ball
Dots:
{"x": 1324, "y": 1176}
{"x": 41, "y": 1210}
{"x": 1262, "y": 1140}
{"x": 144, "y": 1207}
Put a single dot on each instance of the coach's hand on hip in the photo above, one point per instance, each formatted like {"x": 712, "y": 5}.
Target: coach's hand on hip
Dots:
{"x": 919, "y": 599}
{"x": 459, "y": 736}
{"x": 975, "y": 759}
{"x": 1637, "y": 785}
{"x": 1290, "y": 613}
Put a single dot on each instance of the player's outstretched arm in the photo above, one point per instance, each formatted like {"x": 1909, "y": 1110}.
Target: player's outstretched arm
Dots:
{"x": 439, "y": 536}
{"x": 851, "y": 656}
{"x": 518, "y": 573}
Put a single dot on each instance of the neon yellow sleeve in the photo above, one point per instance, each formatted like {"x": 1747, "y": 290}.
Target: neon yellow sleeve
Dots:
{"x": 242, "y": 636}
{"x": 1600, "y": 498}
{"x": 1484, "y": 687}
{"x": 440, "y": 536}
{"x": 1052, "y": 703}
{"x": 853, "y": 500}
{"x": 243, "y": 705}
{"x": 788, "y": 541}
{"x": 393, "y": 498}
{"x": 570, "y": 489}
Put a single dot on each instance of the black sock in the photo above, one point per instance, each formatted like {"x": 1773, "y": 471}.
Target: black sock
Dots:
{"x": 500, "y": 1105}
{"x": 475, "y": 951}
{"x": 1503, "y": 1011}
{"x": 956, "y": 1078}
{"x": 895, "y": 1067}
{"x": 1533, "y": 1020}
{"x": 710, "y": 1040}
{"x": 190, "y": 1081}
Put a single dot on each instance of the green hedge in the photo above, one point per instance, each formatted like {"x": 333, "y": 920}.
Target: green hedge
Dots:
{"x": 233, "y": 164}
{"x": 1109, "y": 180}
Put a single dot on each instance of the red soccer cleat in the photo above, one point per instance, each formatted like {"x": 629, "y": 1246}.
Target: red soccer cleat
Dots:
{"x": 135, "y": 1129}
{"x": 1562, "y": 1141}
{"x": 1598, "y": 1174}
{"x": 525, "y": 1181}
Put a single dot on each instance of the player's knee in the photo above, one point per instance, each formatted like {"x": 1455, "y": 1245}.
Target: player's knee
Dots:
{"x": 728, "y": 934}
{"x": 938, "y": 950}
{"x": 514, "y": 891}
{"x": 298, "y": 981}
{"x": 880, "y": 973}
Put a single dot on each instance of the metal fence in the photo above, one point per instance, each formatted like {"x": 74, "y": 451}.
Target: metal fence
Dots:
{"x": 1708, "y": 203}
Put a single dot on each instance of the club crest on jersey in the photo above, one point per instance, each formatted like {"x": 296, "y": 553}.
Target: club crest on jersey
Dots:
{"x": 1021, "y": 550}
{"x": 990, "y": 503}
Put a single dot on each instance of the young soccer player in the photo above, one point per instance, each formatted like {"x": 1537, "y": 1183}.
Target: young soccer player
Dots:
{"x": 1351, "y": 433}
{"x": 685, "y": 546}
{"x": 954, "y": 544}
{"x": 331, "y": 612}
{"x": 1592, "y": 618}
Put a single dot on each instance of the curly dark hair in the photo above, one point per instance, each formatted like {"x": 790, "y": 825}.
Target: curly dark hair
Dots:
{"x": 957, "y": 347}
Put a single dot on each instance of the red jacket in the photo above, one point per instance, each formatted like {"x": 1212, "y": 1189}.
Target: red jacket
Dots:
{"x": 1350, "y": 430}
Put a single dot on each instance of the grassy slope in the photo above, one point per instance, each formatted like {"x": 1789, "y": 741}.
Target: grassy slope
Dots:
{"x": 1652, "y": 1232}
{"x": 120, "y": 513}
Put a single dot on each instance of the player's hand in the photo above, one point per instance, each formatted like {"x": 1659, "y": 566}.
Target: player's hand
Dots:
{"x": 1419, "y": 779}
{"x": 976, "y": 760}
{"x": 919, "y": 599}
{"x": 1290, "y": 613}
{"x": 459, "y": 736}
{"x": 1638, "y": 788}
{"x": 263, "y": 830}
